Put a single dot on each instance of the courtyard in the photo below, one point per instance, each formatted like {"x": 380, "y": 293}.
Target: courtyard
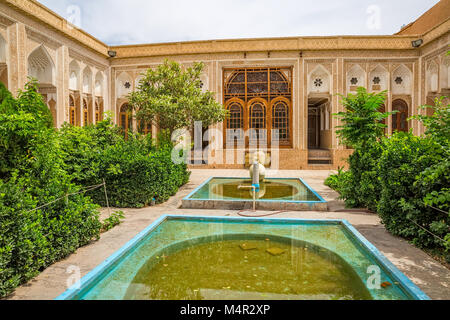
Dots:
{"x": 428, "y": 274}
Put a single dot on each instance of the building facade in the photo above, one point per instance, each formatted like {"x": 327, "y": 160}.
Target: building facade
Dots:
{"x": 287, "y": 84}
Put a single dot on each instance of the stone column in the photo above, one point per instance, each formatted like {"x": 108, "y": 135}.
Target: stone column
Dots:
{"x": 62, "y": 85}
{"x": 17, "y": 58}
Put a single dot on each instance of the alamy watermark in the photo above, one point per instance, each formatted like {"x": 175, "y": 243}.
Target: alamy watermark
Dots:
{"x": 232, "y": 148}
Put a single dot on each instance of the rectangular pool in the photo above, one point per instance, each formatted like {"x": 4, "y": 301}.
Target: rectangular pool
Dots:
{"x": 219, "y": 258}
{"x": 291, "y": 194}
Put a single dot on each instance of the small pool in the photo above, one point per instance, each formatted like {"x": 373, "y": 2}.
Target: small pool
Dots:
{"x": 218, "y": 258}
{"x": 275, "y": 194}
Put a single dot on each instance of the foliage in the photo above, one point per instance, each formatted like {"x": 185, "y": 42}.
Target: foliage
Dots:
{"x": 362, "y": 120}
{"x": 437, "y": 124}
{"x": 33, "y": 175}
{"x": 135, "y": 171}
{"x": 362, "y": 129}
{"x": 404, "y": 178}
{"x": 22, "y": 120}
{"x": 172, "y": 98}
{"x": 401, "y": 207}
{"x": 113, "y": 220}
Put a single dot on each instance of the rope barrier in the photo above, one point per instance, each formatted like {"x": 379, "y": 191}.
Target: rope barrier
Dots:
{"x": 86, "y": 189}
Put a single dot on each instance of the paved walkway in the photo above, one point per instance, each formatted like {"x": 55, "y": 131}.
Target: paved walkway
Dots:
{"x": 429, "y": 275}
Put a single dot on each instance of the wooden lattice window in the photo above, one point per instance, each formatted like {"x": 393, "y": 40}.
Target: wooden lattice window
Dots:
{"x": 400, "y": 119}
{"x": 97, "y": 113}
{"x": 258, "y": 121}
{"x": 72, "y": 111}
{"x": 249, "y": 93}
{"x": 280, "y": 121}
{"x": 85, "y": 113}
{"x": 235, "y": 122}
{"x": 125, "y": 118}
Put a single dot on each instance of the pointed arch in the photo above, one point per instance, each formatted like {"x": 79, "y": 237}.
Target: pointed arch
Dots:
{"x": 87, "y": 80}
{"x": 235, "y": 123}
{"x": 138, "y": 79}
{"x": 41, "y": 66}
{"x": 74, "y": 76}
{"x": 378, "y": 78}
{"x": 124, "y": 85}
{"x": 320, "y": 80}
{"x": 400, "y": 119}
{"x": 356, "y": 77}
{"x": 281, "y": 119}
{"x": 432, "y": 77}
{"x": 401, "y": 80}
{"x": 125, "y": 118}
{"x": 258, "y": 119}
{"x": 98, "y": 85}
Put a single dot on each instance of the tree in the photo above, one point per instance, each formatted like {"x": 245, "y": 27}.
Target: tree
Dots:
{"x": 362, "y": 120}
{"x": 172, "y": 98}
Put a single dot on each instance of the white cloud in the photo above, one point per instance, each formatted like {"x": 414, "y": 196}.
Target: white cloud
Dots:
{"x": 149, "y": 21}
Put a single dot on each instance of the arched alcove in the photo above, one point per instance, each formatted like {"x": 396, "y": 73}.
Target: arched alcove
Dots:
{"x": 401, "y": 81}
{"x": 432, "y": 77}
{"x": 356, "y": 77}
{"x": 124, "y": 85}
{"x": 87, "y": 80}
{"x": 41, "y": 67}
{"x": 74, "y": 76}
{"x": 378, "y": 79}
{"x": 98, "y": 86}
{"x": 319, "y": 80}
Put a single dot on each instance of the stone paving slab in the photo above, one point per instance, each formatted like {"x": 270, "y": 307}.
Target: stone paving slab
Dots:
{"x": 432, "y": 277}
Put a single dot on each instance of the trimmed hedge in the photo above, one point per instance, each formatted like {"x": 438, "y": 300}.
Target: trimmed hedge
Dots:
{"x": 40, "y": 165}
{"x": 31, "y": 175}
{"x": 135, "y": 171}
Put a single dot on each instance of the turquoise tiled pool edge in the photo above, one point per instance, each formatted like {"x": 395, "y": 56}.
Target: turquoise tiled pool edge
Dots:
{"x": 103, "y": 271}
{"x": 204, "y": 198}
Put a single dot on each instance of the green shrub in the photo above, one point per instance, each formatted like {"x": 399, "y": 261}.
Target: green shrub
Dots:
{"x": 33, "y": 175}
{"x": 135, "y": 171}
{"x": 404, "y": 178}
{"x": 402, "y": 170}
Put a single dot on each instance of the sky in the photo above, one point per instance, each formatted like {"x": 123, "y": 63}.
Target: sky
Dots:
{"x": 118, "y": 22}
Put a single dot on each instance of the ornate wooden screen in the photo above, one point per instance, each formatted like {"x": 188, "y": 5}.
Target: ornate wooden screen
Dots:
{"x": 258, "y": 121}
{"x": 280, "y": 119}
{"x": 235, "y": 121}
{"x": 72, "y": 111}
{"x": 259, "y": 98}
{"x": 400, "y": 119}
{"x": 85, "y": 113}
{"x": 98, "y": 113}
{"x": 125, "y": 118}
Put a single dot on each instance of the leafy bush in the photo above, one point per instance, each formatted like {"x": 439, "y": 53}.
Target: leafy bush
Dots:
{"x": 402, "y": 172}
{"x": 135, "y": 171}
{"x": 31, "y": 175}
{"x": 404, "y": 178}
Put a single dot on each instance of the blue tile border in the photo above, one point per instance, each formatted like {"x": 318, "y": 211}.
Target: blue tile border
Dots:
{"x": 321, "y": 199}
{"x": 413, "y": 290}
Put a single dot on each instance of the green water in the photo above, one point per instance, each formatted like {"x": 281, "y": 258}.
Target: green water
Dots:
{"x": 271, "y": 189}
{"x": 223, "y": 270}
